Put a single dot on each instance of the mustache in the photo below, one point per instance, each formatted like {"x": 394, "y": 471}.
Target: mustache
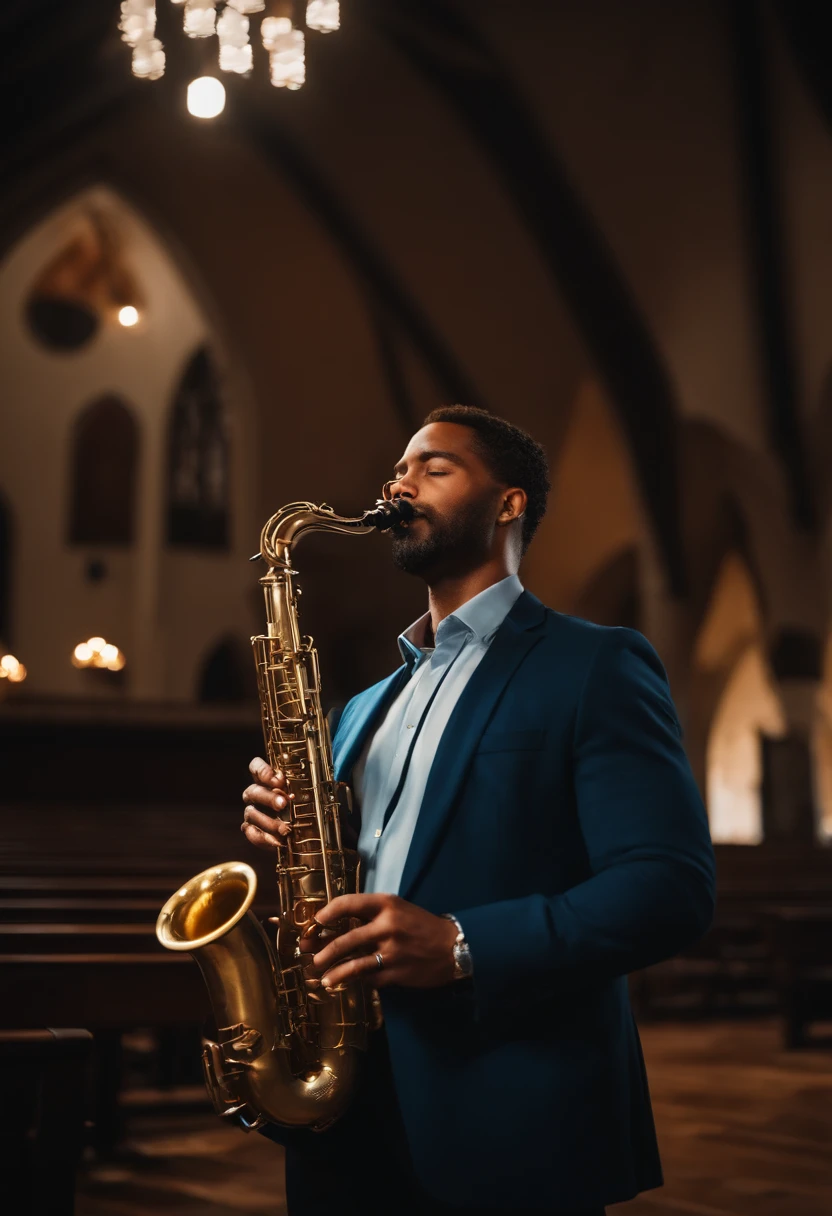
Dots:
{"x": 400, "y": 530}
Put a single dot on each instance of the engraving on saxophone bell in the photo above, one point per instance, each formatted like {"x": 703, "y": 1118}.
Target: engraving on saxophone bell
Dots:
{"x": 288, "y": 1052}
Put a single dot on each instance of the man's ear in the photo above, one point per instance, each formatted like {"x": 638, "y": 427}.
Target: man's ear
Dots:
{"x": 513, "y": 505}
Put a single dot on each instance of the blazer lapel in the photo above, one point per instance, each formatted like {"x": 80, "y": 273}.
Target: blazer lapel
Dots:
{"x": 519, "y": 632}
{"x": 358, "y": 719}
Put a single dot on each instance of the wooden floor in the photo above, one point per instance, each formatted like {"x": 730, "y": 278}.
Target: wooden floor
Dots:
{"x": 745, "y": 1130}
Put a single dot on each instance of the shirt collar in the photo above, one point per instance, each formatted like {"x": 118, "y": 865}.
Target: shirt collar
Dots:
{"x": 481, "y": 616}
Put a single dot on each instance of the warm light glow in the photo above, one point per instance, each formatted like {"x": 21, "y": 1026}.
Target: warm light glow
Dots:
{"x": 12, "y": 669}
{"x": 200, "y": 18}
{"x": 323, "y": 15}
{"x": 206, "y": 97}
{"x": 286, "y": 47}
{"x": 96, "y": 652}
{"x": 230, "y": 21}
{"x": 235, "y": 47}
{"x": 749, "y": 707}
{"x": 128, "y": 316}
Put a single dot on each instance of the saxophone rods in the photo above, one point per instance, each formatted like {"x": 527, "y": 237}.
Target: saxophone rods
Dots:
{"x": 285, "y": 1052}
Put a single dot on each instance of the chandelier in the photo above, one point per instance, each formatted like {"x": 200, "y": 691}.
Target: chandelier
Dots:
{"x": 228, "y": 21}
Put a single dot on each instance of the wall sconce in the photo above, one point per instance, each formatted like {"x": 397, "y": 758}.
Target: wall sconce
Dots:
{"x": 96, "y": 652}
{"x": 11, "y": 669}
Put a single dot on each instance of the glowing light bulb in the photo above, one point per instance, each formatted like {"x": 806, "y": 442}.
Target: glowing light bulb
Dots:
{"x": 323, "y": 15}
{"x": 96, "y": 644}
{"x": 206, "y": 97}
{"x": 128, "y": 316}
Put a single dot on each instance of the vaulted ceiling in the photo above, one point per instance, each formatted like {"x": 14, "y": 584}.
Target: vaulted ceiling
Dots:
{"x": 521, "y": 196}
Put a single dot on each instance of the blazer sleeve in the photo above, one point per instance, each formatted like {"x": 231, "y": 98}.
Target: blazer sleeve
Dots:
{"x": 652, "y": 888}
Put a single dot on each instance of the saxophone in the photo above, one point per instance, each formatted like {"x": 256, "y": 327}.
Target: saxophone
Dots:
{"x": 285, "y": 1051}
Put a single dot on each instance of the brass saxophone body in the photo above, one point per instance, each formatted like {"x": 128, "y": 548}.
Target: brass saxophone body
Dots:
{"x": 286, "y": 1051}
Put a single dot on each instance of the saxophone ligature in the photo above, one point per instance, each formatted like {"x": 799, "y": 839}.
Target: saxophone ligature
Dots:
{"x": 286, "y": 1051}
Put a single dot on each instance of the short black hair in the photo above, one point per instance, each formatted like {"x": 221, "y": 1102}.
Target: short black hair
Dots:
{"x": 510, "y": 453}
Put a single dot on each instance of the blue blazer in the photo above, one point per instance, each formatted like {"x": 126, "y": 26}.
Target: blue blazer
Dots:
{"x": 561, "y": 823}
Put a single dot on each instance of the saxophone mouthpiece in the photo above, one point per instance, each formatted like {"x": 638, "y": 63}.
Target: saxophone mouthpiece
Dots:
{"x": 386, "y": 515}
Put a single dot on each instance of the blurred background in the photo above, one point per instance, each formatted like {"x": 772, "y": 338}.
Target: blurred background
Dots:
{"x": 609, "y": 223}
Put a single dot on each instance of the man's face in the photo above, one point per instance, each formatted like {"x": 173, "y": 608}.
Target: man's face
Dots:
{"x": 456, "y": 501}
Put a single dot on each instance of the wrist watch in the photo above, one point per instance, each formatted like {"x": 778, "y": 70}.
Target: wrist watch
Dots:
{"x": 463, "y": 963}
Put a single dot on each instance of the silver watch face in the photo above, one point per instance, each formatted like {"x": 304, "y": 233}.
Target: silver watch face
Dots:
{"x": 463, "y": 964}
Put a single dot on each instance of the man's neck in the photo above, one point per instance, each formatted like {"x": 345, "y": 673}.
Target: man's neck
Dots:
{"x": 445, "y": 596}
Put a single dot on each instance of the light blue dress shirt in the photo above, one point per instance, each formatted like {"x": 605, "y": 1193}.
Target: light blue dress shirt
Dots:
{"x": 437, "y": 678}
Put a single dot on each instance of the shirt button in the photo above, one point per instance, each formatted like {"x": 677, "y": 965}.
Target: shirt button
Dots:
{"x": 378, "y": 833}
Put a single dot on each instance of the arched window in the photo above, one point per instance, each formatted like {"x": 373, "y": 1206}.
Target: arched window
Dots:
{"x": 197, "y": 507}
{"x": 105, "y": 460}
{"x": 5, "y": 572}
{"x": 227, "y": 673}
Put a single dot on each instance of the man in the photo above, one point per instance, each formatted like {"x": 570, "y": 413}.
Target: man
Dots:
{"x": 522, "y": 771}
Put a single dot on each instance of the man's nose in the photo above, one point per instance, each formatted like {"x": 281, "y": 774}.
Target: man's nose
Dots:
{"x": 400, "y": 487}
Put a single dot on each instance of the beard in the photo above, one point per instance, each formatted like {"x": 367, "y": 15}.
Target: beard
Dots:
{"x": 454, "y": 545}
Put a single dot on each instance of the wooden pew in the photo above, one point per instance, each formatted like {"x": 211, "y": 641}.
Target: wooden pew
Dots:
{"x": 800, "y": 949}
{"x": 45, "y": 1084}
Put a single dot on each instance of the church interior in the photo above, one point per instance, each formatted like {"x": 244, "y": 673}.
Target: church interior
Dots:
{"x": 608, "y": 223}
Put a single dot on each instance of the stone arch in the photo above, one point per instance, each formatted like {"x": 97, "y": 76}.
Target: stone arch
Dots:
{"x": 198, "y": 509}
{"x": 735, "y": 705}
{"x": 732, "y": 621}
{"x": 226, "y": 673}
{"x": 748, "y": 713}
{"x": 595, "y": 513}
{"x": 613, "y": 596}
{"x": 104, "y": 468}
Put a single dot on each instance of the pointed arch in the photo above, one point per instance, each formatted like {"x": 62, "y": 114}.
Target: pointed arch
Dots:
{"x": 104, "y": 464}
{"x": 733, "y": 618}
{"x": 612, "y": 596}
{"x": 749, "y": 711}
{"x": 198, "y": 460}
{"x": 595, "y": 511}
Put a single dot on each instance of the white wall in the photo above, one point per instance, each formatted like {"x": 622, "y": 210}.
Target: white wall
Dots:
{"x": 141, "y": 606}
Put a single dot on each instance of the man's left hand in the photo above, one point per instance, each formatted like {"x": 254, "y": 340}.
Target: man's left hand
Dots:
{"x": 416, "y": 946}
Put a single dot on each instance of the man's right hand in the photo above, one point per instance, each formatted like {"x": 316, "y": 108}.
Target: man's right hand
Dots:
{"x": 264, "y": 803}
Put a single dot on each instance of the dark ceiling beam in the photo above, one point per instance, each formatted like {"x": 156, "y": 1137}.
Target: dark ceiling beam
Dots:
{"x": 767, "y": 257}
{"x": 459, "y": 64}
{"x": 389, "y": 355}
{"x": 386, "y": 293}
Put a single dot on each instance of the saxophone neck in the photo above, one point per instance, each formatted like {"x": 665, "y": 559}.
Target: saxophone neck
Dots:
{"x": 290, "y": 523}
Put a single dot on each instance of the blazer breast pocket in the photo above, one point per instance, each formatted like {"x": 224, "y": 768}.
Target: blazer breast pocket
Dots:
{"x": 511, "y": 741}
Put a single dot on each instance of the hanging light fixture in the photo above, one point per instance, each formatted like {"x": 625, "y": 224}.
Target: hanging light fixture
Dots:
{"x": 228, "y": 21}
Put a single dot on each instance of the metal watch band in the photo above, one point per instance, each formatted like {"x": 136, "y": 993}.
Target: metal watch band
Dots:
{"x": 463, "y": 962}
